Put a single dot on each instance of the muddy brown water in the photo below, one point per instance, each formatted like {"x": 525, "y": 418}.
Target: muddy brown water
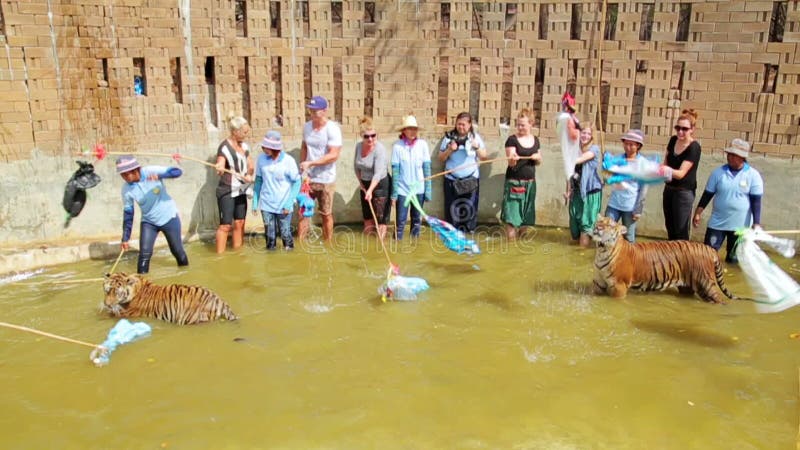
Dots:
{"x": 507, "y": 349}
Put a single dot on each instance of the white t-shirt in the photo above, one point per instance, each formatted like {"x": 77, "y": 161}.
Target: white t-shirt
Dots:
{"x": 317, "y": 144}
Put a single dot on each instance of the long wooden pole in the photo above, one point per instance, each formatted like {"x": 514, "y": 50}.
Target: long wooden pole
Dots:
{"x": 380, "y": 239}
{"x": 600, "y": 79}
{"x": 782, "y": 231}
{"x": 121, "y": 252}
{"x": 50, "y": 335}
{"x": 477, "y": 163}
{"x": 189, "y": 158}
{"x": 83, "y": 280}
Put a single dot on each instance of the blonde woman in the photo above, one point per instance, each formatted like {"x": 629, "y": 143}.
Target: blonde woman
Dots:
{"x": 585, "y": 190}
{"x": 233, "y": 155}
{"x": 371, "y": 166}
{"x": 519, "y": 193}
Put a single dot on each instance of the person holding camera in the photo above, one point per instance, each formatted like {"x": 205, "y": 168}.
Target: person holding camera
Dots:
{"x": 461, "y": 149}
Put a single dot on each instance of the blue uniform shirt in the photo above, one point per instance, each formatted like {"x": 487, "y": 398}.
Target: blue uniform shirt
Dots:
{"x": 157, "y": 206}
{"x": 277, "y": 178}
{"x": 731, "y": 209}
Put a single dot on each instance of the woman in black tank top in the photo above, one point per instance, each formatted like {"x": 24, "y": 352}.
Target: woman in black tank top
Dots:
{"x": 519, "y": 191}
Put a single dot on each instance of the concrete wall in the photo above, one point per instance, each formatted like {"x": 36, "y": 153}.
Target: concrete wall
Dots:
{"x": 32, "y": 195}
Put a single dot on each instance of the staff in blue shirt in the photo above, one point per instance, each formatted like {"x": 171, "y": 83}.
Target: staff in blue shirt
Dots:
{"x": 737, "y": 189}
{"x": 277, "y": 185}
{"x": 159, "y": 213}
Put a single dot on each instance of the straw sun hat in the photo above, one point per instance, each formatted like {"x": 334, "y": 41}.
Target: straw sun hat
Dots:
{"x": 409, "y": 121}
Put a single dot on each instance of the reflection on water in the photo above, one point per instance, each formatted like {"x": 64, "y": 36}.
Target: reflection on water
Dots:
{"x": 508, "y": 349}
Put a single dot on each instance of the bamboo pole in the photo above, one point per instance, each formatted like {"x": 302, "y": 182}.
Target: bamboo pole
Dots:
{"x": 783, "y": 232}
{"x": 156, "y": 154}
{"x": 383, "y": 245}
{"x": 51, "y": 335}
{"x": 600, "y": 79}
{"x": 477, "y": 163}
{"x": 121, "y": 252}
{"x": 83, "y": 280}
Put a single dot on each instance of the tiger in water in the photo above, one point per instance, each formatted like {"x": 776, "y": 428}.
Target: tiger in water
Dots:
{"x": 692, "y": 267}
{"x": 135, "y": 296}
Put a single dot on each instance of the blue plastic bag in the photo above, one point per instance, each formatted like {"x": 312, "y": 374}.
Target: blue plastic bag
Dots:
{"x": 122, "y": 333}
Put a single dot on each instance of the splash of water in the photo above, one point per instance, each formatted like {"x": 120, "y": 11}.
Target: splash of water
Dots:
{"x": 318, "y": 308}
{"x": 20, "y": 276}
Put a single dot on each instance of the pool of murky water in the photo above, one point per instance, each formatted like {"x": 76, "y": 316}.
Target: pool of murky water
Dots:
{"x": 507, "y": 349}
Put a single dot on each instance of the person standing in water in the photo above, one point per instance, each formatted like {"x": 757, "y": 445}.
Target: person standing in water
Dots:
{"x": 233, "y": 156}
{"x": 585, "y": 190}
{"x": 322, "y": 143}
{"x": 626, "y": 201}
{"x": 276, "y": 188}
{"x": 144, "y": 187}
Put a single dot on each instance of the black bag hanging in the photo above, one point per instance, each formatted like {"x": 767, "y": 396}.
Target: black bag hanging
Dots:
{"x": 464, "y": 186}
{"x": 75, "y": 190}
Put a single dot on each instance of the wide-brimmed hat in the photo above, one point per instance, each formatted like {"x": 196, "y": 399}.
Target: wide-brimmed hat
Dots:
{"x": 317, "y": 102}
{"x": 633, "y": 135}
{"x": 272, "y": 140}
{"x": 739, "y": 147}
{"x": 127, "y": 163}
{"x": 409, "y": 121}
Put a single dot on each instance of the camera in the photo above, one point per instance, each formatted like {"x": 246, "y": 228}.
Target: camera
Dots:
{"x": 453, "y": 136}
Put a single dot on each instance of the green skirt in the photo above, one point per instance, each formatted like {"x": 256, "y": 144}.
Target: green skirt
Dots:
{"x": 519, "y": 203}
{"x": 583, "y": 213}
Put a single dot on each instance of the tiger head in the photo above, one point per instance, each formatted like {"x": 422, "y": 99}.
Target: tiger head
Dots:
{"x": 607, "y": 231}
{"x": 120, "y": 289}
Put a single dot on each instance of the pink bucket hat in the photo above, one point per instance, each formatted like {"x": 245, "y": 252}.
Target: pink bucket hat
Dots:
{"x": 127, "y": 163}
{"x": 272, "y": 140}
{"x": 633, "y": 136}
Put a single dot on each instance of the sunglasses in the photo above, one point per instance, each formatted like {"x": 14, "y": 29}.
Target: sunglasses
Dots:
{"x": 369, "y": 136}
{"x": 680, "y": 128}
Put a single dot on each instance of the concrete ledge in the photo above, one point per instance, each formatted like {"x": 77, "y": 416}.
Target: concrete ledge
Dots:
{"x": 26, "y": 259}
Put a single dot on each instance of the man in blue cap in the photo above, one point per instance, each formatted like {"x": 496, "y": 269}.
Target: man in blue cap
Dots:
{"x": 159, "y": 213}
{"x": 322, "y": 143}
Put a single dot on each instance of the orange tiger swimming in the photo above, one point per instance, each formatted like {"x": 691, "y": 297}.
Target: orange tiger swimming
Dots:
{"x": 654, "y": 266}
{"x": 135, "y": 296}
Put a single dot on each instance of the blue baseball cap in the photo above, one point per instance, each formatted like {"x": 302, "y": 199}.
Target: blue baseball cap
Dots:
{"x": 317, "y": 102}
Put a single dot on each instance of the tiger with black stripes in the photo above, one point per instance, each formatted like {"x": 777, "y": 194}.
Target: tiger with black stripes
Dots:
{"x": 692, "y": 267}
{"x": 135, "y": 296}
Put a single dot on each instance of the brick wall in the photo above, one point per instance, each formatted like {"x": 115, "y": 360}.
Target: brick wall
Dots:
{"x": 67, "y": 78}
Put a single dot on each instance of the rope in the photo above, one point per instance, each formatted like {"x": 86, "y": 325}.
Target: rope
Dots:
{"x": 121, "y": 252}
{"x": 50, "y": 335}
